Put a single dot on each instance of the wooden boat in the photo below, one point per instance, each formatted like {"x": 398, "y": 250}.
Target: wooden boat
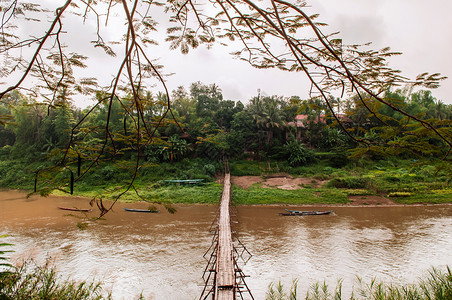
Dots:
{"x": 305, "y": 213}
{"x": 141, "y": 210}
{"x": 75, "y": 209}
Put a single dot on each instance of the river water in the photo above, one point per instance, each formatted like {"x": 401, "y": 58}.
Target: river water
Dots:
{"x": 161, "y": 255}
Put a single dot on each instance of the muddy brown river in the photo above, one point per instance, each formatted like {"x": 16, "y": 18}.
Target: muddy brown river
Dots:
{"x": 161, "y": 255}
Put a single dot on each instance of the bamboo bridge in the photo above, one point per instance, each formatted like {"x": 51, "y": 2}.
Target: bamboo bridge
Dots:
{"x": 223, "y": 278}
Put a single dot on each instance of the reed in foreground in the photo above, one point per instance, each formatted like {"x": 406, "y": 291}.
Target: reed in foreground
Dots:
{"x": 437, "y": 285}
{"x": 42, "y": 282}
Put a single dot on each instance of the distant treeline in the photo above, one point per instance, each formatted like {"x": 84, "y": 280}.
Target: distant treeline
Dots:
{"x": 207, "y": 126}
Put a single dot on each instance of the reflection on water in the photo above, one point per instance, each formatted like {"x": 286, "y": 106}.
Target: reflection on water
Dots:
{"x": 161, "y": 254}
{"x": 390, "y": 243}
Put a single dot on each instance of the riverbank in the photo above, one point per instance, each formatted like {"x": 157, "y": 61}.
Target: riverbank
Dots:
{"x": 264, "y": 191}
{"x": 253, "y": 191}
{"x": 254, "y": 183}
{"x": 261, "y": 193}
{"x": 84, "y": 202}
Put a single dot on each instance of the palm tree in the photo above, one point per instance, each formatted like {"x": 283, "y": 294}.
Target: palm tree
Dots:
{"x": 266, "y": 113}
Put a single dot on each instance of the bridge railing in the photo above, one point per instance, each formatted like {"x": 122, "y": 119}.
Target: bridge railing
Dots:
{"x": 228, "y": 279}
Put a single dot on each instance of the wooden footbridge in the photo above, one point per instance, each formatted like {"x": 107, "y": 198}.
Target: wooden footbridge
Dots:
{"x": 223, "y": 278}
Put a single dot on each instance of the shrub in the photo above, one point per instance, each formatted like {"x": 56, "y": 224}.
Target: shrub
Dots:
{"x": 297, "y": 155}
{"x": 358, "y": 192}
{"x": 428, "y": 171}
{"x": 392, "y": 178}
{"x": 5, "y": 151}
{"x": 338, "y": 158}
{"x": 442, "y": 191}
{"x": 400, "y": 194}
{"x": 348, "y": 182}
{"x": 210, "y": 169}
{"x": 245, "y": 168}
{"x": 108, "y": 172}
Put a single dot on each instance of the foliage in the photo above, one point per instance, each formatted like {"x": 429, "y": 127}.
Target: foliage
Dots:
{"x": 400, "y": 194}
{"x": 358, "y": 192}
{"x": 426, "y": 181}
{"x": 267, "y": 114}
{"x": 430, "y": 196}
{"x": 437, "y": 285}
{"x": 173, "y": 150}
{"x": 279, "y": 293}
{"x": 5, "y": 267}
{"x": 161, "y": 194}
{"x": 349, "y": 183}
{"x": 257, "y": 195}
{"x": 206, "y": 194}
{"x": 297, "y": 154}
{"x": 36, "y": 139}
{"x": 42, "y": 282}
{"x": 338, "y": 157}
{"x": 246, "y": 168}
{"x": 258, "y": 130}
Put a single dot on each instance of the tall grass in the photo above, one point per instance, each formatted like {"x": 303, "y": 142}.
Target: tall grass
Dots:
{"x": 42, "y": 282}
{"x": 277, "y": 292}
{"x": 436, "y": 285}
{"x": 4, "y": 265}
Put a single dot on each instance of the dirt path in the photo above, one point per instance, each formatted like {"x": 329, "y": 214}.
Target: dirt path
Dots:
{"x": 280, "y": 181}
{"x": 245, "y": 182}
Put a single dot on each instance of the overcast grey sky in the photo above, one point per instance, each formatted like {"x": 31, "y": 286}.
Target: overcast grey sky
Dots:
{"x": 418, "y": 28}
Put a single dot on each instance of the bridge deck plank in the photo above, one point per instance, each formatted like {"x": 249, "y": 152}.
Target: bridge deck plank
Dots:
{"x": 225, "y": 263}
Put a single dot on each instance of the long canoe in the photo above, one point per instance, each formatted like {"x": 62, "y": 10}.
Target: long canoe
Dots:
{"x": 141, "y": 210}
{"x": 305, "y": 213}
{"x": 75, "y": 209}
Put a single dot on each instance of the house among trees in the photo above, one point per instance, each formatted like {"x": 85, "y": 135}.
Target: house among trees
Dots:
{"x": 307, "y": 122}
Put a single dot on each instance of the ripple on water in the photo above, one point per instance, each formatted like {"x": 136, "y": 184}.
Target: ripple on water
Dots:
{"x": 162, "y": 255}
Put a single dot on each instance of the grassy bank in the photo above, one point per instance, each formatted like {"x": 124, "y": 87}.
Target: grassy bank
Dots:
{"x": 402, "y": 181}
{"x": 258, "y": 195}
